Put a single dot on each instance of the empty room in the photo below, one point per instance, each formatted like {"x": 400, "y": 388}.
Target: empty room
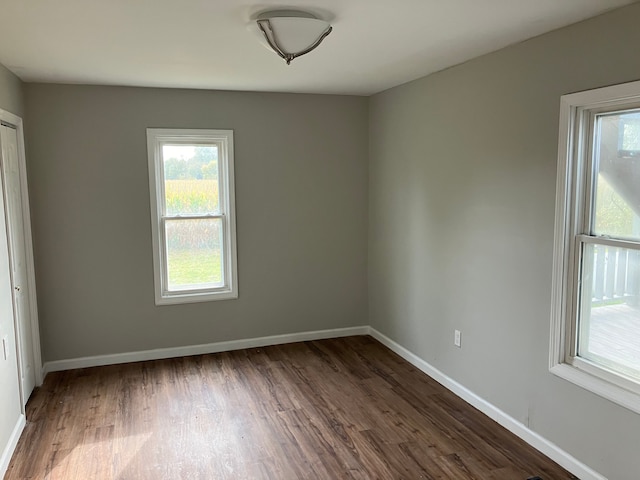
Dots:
{"x": 320, "y": 240}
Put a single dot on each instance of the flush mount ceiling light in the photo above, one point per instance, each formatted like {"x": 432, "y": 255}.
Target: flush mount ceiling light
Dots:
{"x": 292, "y": 33}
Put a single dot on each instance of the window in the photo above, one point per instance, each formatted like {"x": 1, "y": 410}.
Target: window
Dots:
{"x": 193, "y": 215}
{"x": 595, "y": 337}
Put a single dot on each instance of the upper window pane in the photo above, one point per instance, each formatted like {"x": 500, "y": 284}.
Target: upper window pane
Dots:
{"x": 191, "y": 179}
{"x": 617, "y": 165}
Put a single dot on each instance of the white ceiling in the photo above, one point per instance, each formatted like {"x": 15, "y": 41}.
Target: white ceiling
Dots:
{"x": 375, "y": 44}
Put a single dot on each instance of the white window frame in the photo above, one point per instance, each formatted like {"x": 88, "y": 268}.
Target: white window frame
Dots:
{"x": 223, "y": 139}
{"x": 573, "y": 192}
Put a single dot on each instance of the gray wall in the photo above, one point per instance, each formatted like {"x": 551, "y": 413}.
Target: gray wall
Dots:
{"x": 11, "y": 94}
{"x": 462, "y": 195}
{"x": 301, "y": 200}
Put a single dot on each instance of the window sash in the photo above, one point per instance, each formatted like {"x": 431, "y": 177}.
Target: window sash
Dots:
{"x": 193, "y": 216}
{"x": 573, "y": 314}
{"x": 222, "y": 171}
{"x": 165, "y": 250}
{"x": 608, "y": 241}
{"x": 604, "y": 370}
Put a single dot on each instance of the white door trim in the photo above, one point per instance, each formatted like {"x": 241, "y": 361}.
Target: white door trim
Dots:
{"x": 15, "y": 121}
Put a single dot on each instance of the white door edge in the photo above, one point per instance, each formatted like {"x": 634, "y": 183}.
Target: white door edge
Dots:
{"x": 16, "y": 122}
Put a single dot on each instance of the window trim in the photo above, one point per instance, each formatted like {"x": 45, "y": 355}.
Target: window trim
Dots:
{"x": 571, "y": 199}
{"x": 156, "y": 137}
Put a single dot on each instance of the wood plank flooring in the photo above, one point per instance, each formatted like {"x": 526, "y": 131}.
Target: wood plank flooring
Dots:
{"x": 333, "y": 409}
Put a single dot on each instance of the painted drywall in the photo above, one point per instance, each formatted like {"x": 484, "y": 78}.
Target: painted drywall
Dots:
{"x": 462, "y": 181}
{"x": 301, "y": 202}
{"x": 11, "y": 94}
{"x": 10, "y": 410}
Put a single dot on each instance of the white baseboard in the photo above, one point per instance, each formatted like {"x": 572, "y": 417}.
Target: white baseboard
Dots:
{"x": 538, "y": 442}
{"x": 11, "y": 445}
{"x": 160, "y": 353}
{"x": 532, "y": 438}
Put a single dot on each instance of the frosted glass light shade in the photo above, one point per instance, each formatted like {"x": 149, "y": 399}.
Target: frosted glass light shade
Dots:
{"x": 292, "y": 34}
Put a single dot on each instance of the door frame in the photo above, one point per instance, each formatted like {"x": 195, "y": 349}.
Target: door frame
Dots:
{"x": 16, "y": 121}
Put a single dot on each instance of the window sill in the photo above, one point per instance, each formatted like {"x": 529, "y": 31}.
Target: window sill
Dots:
{"x": 179, "y": 298}
{"x": 599, "y": 386}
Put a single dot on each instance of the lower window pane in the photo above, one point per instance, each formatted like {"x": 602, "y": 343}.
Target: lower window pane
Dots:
{"x": 609, "y": 319}
{"x": 194, "y": 253}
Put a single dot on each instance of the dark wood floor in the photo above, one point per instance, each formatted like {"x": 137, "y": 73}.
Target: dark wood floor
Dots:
{"x": 330, "y": 409}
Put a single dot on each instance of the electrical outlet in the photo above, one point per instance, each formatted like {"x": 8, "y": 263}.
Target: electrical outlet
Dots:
{"x": 456, "y": 338}
{"x": 5, "y": 347}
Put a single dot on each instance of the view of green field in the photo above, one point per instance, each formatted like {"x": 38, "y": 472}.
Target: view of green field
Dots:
{"x": 191, "y": 196}
{"x": 195, "y": 266}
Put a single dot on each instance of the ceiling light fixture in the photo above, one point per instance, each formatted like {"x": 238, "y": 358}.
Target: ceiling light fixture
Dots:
{"x": 292, "y": 33}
